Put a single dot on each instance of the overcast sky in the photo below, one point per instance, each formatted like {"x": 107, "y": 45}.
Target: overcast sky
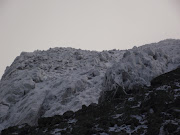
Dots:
{"x": 28, "y": 25}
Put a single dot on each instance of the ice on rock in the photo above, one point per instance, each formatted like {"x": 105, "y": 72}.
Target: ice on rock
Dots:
{"x": 141, "y": 64}
{"x": 47, "y": 83}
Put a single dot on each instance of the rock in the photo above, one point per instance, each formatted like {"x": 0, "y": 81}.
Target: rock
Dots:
{"x": 68, "y": 114}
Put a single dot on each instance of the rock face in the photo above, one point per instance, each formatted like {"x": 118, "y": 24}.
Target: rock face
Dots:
{"x": 149, "y": 111}
{"x": 48, "y": 83}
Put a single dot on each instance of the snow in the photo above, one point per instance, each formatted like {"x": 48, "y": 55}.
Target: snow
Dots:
{"x": 117, "y": 116}
{"x": 47, "y": 83}
{"x": 127, "y": 128}
{"x": 141, "y": 118}
{"x": 131, "y": 99}
{"x": 72, "y": 121}
{"x": 57, "y": 131}
{"x": 141, "y": 64}
{"x": 138, "y": 105}
{"x": 164, "y": 87}
{"x": 161, "y": 132}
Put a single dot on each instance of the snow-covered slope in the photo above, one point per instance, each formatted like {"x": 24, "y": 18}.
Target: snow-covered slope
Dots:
{"x": 46, "y": 83}
{"x": 140, "y": 65}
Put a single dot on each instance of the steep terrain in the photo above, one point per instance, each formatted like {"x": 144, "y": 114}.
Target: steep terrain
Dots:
{"x": 151, "y": 110}
{"x": 48, "y": 83}
{"x": 140, "y": 65}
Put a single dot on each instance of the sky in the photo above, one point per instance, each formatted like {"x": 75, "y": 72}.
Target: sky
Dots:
{"x": 28, "y": 25}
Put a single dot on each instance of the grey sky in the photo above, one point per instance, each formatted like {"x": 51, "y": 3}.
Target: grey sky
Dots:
{"x": 27, "y": 25}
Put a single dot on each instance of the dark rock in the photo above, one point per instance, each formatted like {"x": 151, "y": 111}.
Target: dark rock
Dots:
{"x": 167, "y": 78}
{"x": 116, "y": 109}
{"x": 170, "y": 128}
{"x": 68, "y": 114}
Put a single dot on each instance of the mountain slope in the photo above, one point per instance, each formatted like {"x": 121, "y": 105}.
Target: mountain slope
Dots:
{"x": 48, "y": 83}
{"x": 149, "y": 111}
{"x": 140, "y": 65}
